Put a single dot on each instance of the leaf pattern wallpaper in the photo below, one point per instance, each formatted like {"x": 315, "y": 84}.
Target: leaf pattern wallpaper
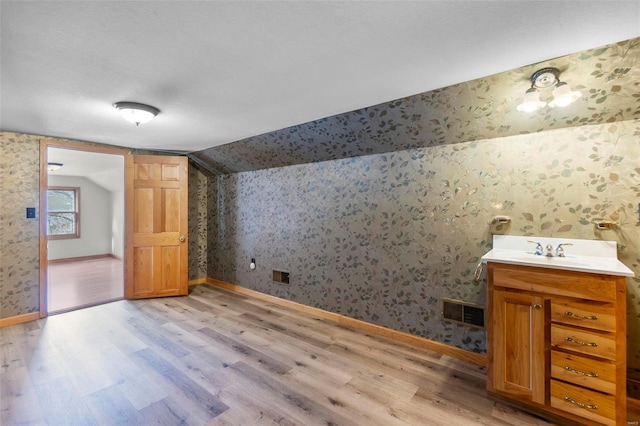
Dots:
{"x": 381, "y": 212}
{"x": 384, "y": 237}
{"x": 397, "y": 218}
{"x": 197, "y": 215}
{"x": 19, "y": 245}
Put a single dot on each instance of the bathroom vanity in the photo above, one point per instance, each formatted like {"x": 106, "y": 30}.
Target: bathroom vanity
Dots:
{"x": 556, "y": 329}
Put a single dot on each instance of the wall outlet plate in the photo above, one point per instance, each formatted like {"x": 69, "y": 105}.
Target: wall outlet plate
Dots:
{"x": 31, "y": 212}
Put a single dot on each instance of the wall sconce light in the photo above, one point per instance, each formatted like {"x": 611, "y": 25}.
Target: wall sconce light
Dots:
{"x": 546, "y": 79}
{"x": 135, "y": 112}
{"x": 52, "y": 167}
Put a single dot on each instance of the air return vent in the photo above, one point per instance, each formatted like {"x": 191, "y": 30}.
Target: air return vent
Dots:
{"x": 463, "y": 313}
{"x": 281, "y": 276}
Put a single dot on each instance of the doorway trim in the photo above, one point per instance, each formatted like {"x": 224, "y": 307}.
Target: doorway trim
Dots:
{"x": 45, "y": 144}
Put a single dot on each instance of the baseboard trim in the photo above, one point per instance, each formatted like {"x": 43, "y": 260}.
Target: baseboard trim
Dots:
{"x": 196, "y": 281}
{"x": 19, "y": 319}
{"x": 378, "y": 330}
{"x": 81, "y": 258}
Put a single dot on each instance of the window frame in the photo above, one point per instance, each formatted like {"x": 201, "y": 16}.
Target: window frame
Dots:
{"x": 76, "y": 212}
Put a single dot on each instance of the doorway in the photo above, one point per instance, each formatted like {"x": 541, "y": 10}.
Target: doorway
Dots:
{"x": 82, "y": 225}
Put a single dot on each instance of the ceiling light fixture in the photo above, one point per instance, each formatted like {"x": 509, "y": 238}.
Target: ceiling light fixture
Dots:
{"x": 546, "y": 79}
{"x": 135, "y": 112}
{"x": 52, "y": 167}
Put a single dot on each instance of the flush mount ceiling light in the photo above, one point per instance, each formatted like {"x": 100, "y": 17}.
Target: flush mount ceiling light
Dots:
{"x": 135, "y": 112}
{"x": 52, "y": 167}
{"x": 546, "y": 79}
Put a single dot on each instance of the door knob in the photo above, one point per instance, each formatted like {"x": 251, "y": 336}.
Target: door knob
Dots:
{"x": 537, "y": 306}
{"x": 182, "y": 238}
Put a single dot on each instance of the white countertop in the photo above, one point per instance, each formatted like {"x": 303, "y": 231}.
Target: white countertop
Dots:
{"x": 594, "y": 256}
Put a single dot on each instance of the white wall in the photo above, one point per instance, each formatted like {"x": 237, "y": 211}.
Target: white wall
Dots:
{"x": 117, "y": 223}
{"x": 95, "y": 221}
{"x": 112, "y": 180}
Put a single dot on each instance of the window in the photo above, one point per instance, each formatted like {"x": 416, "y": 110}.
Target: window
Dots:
{"x": 63, "y": 212}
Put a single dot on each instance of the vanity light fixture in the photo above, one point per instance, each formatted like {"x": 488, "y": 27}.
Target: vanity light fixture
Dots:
{"x": 135, "y": 112}
{"x": 531, "y": 101}
{"x": 52, "y": 167}
{"x": 546, "y": 79}
{"x": 563, "y": 95}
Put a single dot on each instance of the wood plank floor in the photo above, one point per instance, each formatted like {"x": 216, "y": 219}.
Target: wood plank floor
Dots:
{"x": 82, "y": 283}
{"x": 218, "y": 358}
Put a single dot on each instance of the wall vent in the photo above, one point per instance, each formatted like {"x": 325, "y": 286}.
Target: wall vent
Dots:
{"x": 463, "y": 312}
{"x": 282, "y": 277}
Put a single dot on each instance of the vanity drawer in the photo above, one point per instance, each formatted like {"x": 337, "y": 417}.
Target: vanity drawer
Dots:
{"x": 602, "y": 345}
{"x": 579, "y": 370}
{"x": 554, "y": 281}
{"x": 599, "y": 316}
{"x": 584, "y": 403}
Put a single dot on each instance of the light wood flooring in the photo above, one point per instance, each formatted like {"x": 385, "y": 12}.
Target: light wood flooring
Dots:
{"x": 218, "y": 358}
{"x": 82, "y": 283}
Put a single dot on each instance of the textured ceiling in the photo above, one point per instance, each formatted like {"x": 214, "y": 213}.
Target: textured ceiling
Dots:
{"x": 225, "y": 71}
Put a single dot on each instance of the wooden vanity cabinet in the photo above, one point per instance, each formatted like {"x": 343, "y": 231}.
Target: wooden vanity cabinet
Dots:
{"x": 518, "y": 358}
{"x": 556, "y": 343}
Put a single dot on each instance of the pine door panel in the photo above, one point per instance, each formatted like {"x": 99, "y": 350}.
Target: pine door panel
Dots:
{"x": 159, "y": 226}
{"x": 143, "y": 265}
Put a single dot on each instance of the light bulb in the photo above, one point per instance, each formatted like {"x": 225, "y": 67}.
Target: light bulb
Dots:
{"x": 563, "y": 95}
{"x": 136, "y": 116}
{"x": 135, "y": 112}
{"x": 531, "y": 101}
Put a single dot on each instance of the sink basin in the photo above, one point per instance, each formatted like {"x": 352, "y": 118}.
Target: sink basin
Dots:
{"x": 594, "y": 256}
{"x": 547, "y": 261}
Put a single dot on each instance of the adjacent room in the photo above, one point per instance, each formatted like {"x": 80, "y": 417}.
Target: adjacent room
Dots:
{"x": 328, "y": 212}
{"x": 85, "y": 247}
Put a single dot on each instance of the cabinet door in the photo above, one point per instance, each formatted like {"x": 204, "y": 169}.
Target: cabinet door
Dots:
{"x": 518, "y": 345}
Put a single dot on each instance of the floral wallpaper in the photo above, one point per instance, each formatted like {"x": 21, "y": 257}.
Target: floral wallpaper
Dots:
{"x": 384, "y": 237}
{"x": 380, "y": 212}
{"x": 198, "y": 211}
{"x": 19, "y": 245}
{"x": 485, "y": 108}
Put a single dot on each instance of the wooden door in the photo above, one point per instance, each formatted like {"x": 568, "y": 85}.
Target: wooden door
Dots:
{"x": 157, "y": 226}
{"x": 518, "y": 345}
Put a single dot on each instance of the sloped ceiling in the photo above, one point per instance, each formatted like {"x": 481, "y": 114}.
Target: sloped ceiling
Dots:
{"x": 223, "y": 71}
{"x": 607, "y": 77}
{"x": 105, "y": 170}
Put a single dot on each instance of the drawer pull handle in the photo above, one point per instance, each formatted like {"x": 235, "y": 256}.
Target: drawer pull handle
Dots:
{"x": 588, "y": 317}
{"x": 537, "y": 306}
{"x": 580, "y": 404}
{"x": 580, "y": 372}
{"x": 578, "y": 342}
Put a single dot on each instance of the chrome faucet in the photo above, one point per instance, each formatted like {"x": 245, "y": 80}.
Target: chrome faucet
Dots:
{"x": 560, "y": 250}
{"x": 539, "y": 249}
{"x": 548, "y": 250}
